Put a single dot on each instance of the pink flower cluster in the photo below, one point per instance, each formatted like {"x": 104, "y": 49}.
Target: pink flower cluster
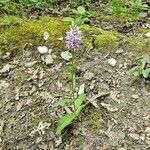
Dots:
{"x": 73, "y": 38}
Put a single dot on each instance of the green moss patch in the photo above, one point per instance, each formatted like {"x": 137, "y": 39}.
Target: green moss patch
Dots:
{"x": 121, "y": 18}
{"x": 18, "y": 33}
{"x": 138, "y": 46}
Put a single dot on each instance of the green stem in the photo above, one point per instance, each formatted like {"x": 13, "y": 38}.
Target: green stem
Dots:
{"x": 73, "y": 79}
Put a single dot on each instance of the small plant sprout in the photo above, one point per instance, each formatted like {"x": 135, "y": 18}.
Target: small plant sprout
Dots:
{"x": 142, "y": 70}
{"x": 73, "y": 40}
{"x": 118, "y": 7}
{"x": 81, "y": 15}
{"x": 137, "y": 6}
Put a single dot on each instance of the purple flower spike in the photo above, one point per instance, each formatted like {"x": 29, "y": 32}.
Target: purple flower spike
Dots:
{"x": 73, "y": 38}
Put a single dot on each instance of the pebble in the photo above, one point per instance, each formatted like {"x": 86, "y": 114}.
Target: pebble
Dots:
{"x": 3, "y": 84}
{"x": 147, "y": 34}
{"x": 147, "y": 131}
{"x": 134, "y": 136}
{"x": 112, "y": 62}
{"x": 30, "y": 64}
{"x": 42, "y": 49}
{"x": 48, "y": 59}
{"x": 66, "y": 55}
{"x": 135, "y": 96}
{"x": 119, "y": 51}
{"x": 6, "y": 68}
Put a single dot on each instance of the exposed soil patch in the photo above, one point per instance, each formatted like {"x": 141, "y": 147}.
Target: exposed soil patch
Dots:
{"x": 119, "y": 116}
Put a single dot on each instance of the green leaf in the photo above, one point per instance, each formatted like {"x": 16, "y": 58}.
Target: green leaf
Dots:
{"x": 77, "y": 111}
{"x": 78, "y": 102}
{"x": 79, "y": 21}
{"x": 62, "y": 102}
{"x": 135, "y": 71}
{"x": 68, "y": 19}
{"x": 65, "y": 121}
{"x": 146, "y": 73}
{"x": 86, "y": 19}
{"x": 81, "y": 10}
{"x": 145, "y": 59}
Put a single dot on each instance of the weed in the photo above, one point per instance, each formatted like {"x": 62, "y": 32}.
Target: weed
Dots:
{"x": 142, "y": 70}
{"x": 81, "y": 16}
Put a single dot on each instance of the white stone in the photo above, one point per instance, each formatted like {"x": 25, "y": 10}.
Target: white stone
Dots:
{"x": 135, "y": 96}
{"x": 112, "y": 62}
{"x": 134, "y": 136}
{"x": 147, "y": 34}
{"x": 46, "y": 35}
{"x": 42, "y": 49}
{"x": 48, "y": 59}
{"x": 66, "y": 55}
{"x": 119, "y": 51}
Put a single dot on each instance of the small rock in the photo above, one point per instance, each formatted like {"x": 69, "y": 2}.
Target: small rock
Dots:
{"x": 109, "y": 107}
{"x": 147, "y": 131}
{"x": 46, "y": 35}
{"x": 119, "y": 51}
{"x": 142, "y": 137}
{"x": 38, "y": 140}
{"x": 0, "y": 140}
{"x": 147, "y": 140}
{"x": 112, "y": 62}
{"x": 135, "y": 96}
{"x": 3, "y": 84}
{"x": 6, "y": 68}
{"x": 19, "y": 106}
{"x": 2, "y": 126}
{"x": 66, "y": 55}
{"x": 134, "y": 136}
{"x": 147, "y": 34}
{"x": 48, "y": 59}
{"x": 30, "y": 64}
{"x": 42, "y": 49}
{"x": 88, "y": 75}
{"x": 120, "y": 65}
{"x": 8, "y": 106}
{"x": 121, "y": 149}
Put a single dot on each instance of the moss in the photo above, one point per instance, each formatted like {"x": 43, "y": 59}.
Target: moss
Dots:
{"x": 95, "y": 119}
{"x": 10, "y": 20}
{"x": 32, "y": 31}
{"x": 138, "y": 46}
{"x": 143, "y": 31}
{"x": 99, "y": 37}
{"x": 107, "y": 40}
{"x": 120, "y": 18}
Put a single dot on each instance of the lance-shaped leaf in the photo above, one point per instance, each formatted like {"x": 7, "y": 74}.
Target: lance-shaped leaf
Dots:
{"x": 78, "y": 102}
{"x": 65, "y": 121}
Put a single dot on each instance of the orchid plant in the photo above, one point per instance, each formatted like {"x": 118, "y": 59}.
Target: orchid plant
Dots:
{"x": 73, "y": 40}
